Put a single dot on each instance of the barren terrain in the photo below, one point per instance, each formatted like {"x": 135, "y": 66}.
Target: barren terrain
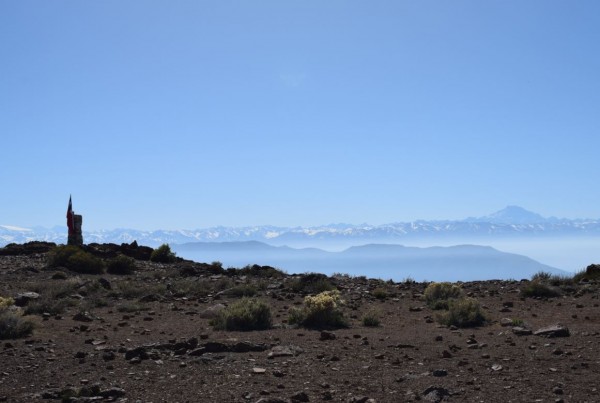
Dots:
{"x": 147, "y": 337}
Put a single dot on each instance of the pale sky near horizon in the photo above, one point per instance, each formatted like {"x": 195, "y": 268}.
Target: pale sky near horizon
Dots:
{"x": 191, "y": 114}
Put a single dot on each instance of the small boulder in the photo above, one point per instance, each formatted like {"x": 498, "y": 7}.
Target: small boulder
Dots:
{"x": 553, "y": 331}
{"x": 26, "y": 297}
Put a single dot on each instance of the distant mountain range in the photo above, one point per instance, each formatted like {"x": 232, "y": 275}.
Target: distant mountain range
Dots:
{"x": 455, "y": 263}
{"x": 511, "y": 221}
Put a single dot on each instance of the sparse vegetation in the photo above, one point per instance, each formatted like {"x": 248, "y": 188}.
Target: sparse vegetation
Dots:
{"x": 380, "y": 293}
{"x": 371, "y": 319}
{"x": 260, "y": 271}
{"x": 244, "y": 315}
{"x": 242, "y": 290}
{"x": 12, "y": 323}
{"x": 311, "y": 283}
{"x": 439, "y": 295}
{"x": 75, "y": 259}
{"x": 163, "y": 254}
{"x": 5, "y": 302}
{"x": 121, "y": 265}
{"x": 319, "y": 311}
{"x": 537, "y": 289}
{"x": 462, "y": 312}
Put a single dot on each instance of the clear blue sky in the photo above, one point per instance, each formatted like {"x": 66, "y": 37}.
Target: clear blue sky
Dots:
{"x": 189, "y": 114}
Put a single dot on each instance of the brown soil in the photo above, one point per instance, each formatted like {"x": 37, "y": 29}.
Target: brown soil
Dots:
{"x": 163, "y": 349}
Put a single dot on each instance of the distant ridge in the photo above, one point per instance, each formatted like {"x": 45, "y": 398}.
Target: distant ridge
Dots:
{"x": 454, "y": 263}
{"x": 512, "y": 221}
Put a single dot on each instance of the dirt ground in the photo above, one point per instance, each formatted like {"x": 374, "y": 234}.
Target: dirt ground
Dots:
{"x": 146, "y": 337}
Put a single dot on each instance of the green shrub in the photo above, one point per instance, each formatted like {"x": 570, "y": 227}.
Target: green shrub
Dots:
{"x": 163, "y": 254}
{"x": 260, "y": 271}
{"x": 244, "y": 315}
{"x": 439, "y": 295}
{"x": 463, "y": 312}
{"x": 132, "y": 289}
{"x": 319, "y": 311}
{"x": 541, "y": 276}
{"x": 242, "y": 290}
{"x": 371, "y": 319}
{"x": 191, "y": 288}
{"x": 59, "y": 257}
{"x": 540, "y": 290}
{"x": 75, "y": 259}
{"x": 121, "y": 265}
{"x": 13, "y": 325}
{"x": 311, "y": 283}
{"x": 380, "y": 293}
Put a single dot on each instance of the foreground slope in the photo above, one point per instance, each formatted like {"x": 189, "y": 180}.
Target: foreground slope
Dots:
{"x": 147, "y": 337}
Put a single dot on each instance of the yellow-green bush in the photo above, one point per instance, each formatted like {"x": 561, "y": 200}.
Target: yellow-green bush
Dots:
{"x": 438, "y": 295}
{"x": 463, "y": 312}
{"x": 320, "y": 311}
{"x": 5, "y": 302}
{"x": 245, "y": 314}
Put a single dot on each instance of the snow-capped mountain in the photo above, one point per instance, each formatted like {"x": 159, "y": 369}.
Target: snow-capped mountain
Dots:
{"x": 511, "y": 221}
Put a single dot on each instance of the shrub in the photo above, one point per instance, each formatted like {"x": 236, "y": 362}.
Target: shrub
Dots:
{"x": 540, "y": 290}
{"x": 463, "y": 312}
{"x": 245, "y": 314}
{"x": 163, "y": 254}
{"x": 541, "y": 276}
{"x": 438, "y": 295}
{"x": 380, "y": 293}
{"x": 5, "y": 302}
{"x": 371, "y": 319}
{"x": 311, "y": 283}
{"x": 320, "y": 311}
{"x": 242, "y": 290}
{"x": 259, "y": 271}
{"x": 191, "y": 288}
{"x": 121, "y": 265}
{"x": 75, "y": 259}
{"x": 13, "y": 325}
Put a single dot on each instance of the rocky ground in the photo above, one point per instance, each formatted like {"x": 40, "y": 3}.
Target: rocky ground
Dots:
{"x": 147, "y": 337}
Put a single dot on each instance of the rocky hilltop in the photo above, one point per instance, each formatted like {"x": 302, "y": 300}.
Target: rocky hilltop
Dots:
{"x": 129, "y": 323}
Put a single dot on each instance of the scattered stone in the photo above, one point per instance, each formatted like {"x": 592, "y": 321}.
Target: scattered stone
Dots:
{"x": 553, "y": 331}
{"x": 105, "y": 283}
{"x": 212, "y": 311}
{"x": 83, "y": 317}
{"x": 285, "y": 351}
{"x": 326, "y": 335}
{"x": 300, "y": 397}
{"x": 439, "y": 372}
{"x": 25, "y": 298}
{"x": 520, "y": 331}
{"x": 497, "y": 367}
{"x": 435, "y": 394}
{"x": 257, "y": 370}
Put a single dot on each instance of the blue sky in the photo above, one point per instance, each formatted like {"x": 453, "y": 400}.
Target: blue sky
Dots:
{"x": 190, "y": 114}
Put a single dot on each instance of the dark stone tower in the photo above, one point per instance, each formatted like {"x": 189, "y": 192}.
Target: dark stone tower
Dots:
{"x": 74, "y": 222}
